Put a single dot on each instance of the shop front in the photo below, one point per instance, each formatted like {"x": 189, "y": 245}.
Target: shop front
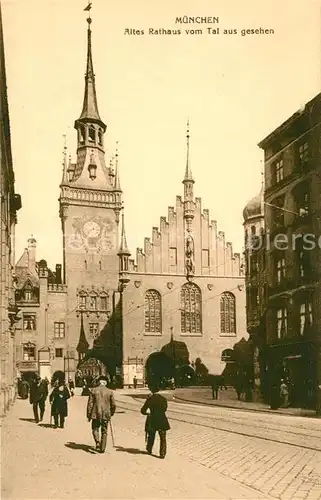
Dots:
{"x": 296, "y": 364}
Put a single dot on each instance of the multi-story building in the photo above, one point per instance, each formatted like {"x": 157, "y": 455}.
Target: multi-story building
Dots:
{"x": 256, "y": 287}
{"x": 186, "y": 286}
{"x": 292, "y": 252}
{"x": 10, "y": 204}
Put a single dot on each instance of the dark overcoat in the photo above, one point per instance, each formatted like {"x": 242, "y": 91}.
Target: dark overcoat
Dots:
{"x": 157, "y": 419}
{"x": 59, "y": 401}
{"x": 38, "y": 391}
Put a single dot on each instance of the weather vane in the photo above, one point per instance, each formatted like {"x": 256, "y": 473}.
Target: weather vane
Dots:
{"x": 88, "y": 8}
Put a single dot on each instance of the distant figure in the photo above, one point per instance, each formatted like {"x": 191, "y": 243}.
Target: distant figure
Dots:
{"x": 155, "y": 408}
{"x": 71, "y": 386}
{"x": 23, "y": 389}
{"x": 215, "y": 387}
{"x": 238, "y": 386}
{"x": 59, "y": 406}
{"x": 284, "y": 394}
{"x": 38, "y": 396}
{"x": 100, "y": 408}
{"x": 135, "y": 382}
{"x": 274, "y": 397}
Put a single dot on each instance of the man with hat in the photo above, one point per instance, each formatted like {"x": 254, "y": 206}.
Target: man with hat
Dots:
{"x": 100, "y": 408}
{"x": 38, "y": 396}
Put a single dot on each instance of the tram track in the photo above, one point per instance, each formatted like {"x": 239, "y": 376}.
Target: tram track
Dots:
{"x": 224, "y": 424}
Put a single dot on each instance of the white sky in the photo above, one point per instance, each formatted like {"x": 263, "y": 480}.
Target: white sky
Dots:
{"x": 234, "y": 89}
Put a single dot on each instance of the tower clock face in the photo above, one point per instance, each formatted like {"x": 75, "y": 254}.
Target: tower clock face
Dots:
{"x": 91, "y": 229}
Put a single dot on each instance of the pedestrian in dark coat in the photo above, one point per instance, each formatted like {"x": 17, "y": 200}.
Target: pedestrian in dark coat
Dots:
{"x": 100, "y": 408}
{"x": 38, "y": 396}
{"x": 59, "y": 406}
{"x": 155, "y": 408}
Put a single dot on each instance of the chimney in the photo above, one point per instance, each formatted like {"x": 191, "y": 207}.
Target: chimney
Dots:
{"x": 58, "y": 274}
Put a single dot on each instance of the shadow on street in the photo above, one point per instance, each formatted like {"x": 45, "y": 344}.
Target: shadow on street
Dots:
{"x": 78, "y": 446}
{"x": 132, "y": 451}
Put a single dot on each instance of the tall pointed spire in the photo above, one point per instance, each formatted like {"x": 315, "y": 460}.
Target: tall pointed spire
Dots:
{"x": 83, "y": 345}
{"x": 188, "y": 172}
{"x": 117, "y": 181}
{"x": 90, "y": 106}
{"x": 123, "y": 249}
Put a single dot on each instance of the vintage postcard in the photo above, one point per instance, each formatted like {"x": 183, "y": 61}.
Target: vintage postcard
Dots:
{"x": 160, "y": 249}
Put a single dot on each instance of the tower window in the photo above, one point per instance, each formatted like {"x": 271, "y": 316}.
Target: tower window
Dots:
{"x": 92, "y": 134}
{"x": 100, "y": 137}
{"x": 93, "y": 302}
{"x": 82, "y": 135}
{"x": 93, "y": 330}
{"x": 191, "y": 309}
{"x": 82, "y": 302}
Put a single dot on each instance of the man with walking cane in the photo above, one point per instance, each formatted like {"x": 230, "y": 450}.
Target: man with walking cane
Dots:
{"x": 100, "y": 408}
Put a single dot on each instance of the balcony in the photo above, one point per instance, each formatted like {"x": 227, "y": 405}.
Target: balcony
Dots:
{"x": 27, "y": 366}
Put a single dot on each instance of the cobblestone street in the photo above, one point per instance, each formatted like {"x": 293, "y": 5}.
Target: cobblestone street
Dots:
{"x": 278, "y": 455}
{"x": 39, "y": 462}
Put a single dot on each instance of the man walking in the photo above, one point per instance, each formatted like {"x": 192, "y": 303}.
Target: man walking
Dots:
{"x": 100, "y": 408}
{"x": 155, "y": 408}
{"x": 38, "y": 396}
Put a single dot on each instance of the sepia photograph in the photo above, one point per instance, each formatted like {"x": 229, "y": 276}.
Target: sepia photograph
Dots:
{"x": 160, "y": 291}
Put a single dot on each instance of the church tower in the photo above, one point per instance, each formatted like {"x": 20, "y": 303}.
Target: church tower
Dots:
{"x": 90, "y": 203}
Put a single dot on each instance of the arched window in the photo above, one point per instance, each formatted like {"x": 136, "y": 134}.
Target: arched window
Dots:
{"x": 153, "y": 311}
{"x": 228, "y": 320}
{"x": 82, "y": 134}
{"x": 92, "y": 134}
{"x": 100, "y": 137}
{"x": 191, "y": 309}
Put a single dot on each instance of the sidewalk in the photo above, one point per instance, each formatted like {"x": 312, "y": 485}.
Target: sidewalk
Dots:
{"x": 203, "y": 395}
{"x": 39, "y": 462}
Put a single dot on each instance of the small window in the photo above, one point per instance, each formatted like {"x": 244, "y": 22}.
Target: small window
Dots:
{"x": 304, "y": 153}
{"x": 27, "y": 295}
{"x": 29, "y": 353}
{"x": 59, "y": 330}
{"x": 280, "y": 269}
{"x": 82, "y": 302}
{"x": 100, "y": 137}
{"x": 306, "y": 316}
{"x": 82, "y": 135}
{"x": 93, "y": 330}
{"x": 281, "y": 322}
{"x": 279, "y": 172}
{"x": 59, "y": 352}
{"x": 92, "y": 134}
{"x": 103, "y": 303}
{"x": 93, "y": 302}
{"x": 29, "y": 321}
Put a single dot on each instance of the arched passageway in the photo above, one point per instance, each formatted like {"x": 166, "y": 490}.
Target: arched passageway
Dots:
{"x": 159, "y": 369}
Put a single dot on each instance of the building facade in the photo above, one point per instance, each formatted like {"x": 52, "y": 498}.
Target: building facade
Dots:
{"x": 256, "y": 287}
{"x": 186, "y": 284}
{"x": 10, "y": 204}
{"x": 292, "y": 253}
